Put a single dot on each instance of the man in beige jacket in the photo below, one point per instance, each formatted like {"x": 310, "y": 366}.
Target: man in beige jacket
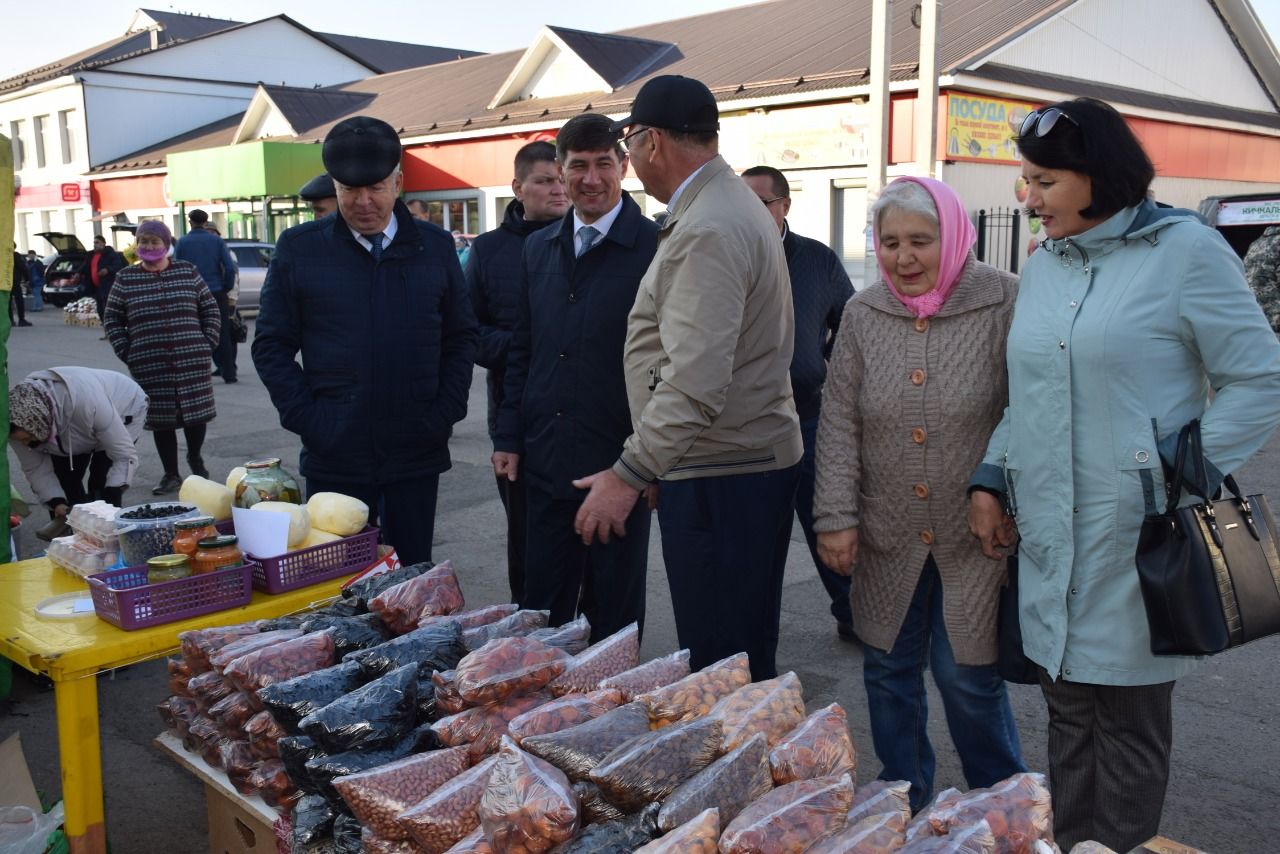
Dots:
{"x": 708, "y": 352}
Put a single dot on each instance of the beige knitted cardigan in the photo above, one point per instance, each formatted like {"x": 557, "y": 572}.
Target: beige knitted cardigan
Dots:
{"x": 907, "y": 410}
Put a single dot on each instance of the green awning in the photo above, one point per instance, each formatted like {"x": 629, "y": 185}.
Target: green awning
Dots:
{"x": 245, "y": 171}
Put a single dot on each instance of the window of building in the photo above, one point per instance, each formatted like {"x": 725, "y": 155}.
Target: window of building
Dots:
{"x": 67, "y": 134}
{"x": 39, "y": 126}
{"x": 19, "y": 147}
{"x": 452, "y": 214}
{"x": 849, "y": 228}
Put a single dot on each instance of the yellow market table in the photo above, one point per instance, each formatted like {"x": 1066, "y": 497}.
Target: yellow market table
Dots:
{"x": 73, "y": 652}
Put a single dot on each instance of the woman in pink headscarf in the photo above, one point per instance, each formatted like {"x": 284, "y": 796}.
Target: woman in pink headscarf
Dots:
{"x": 916, "y": 384}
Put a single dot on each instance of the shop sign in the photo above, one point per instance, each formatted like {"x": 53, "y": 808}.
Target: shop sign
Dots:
{"x": 805, "y": 137}
{"x": 1254, "y": 212}
{"x": 71, "y": 192}
{"x": 982, "y": 129}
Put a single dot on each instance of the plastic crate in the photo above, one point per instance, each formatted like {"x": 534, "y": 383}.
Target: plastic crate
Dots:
{"x": 305, "y": 567}
{"x": 123, "y": 597}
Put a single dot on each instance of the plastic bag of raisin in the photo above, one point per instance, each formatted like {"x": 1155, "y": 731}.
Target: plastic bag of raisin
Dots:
{"x": 293, "y": 699}
{"x": 621, "y": 836}
{"x": 349, "y": 633}
{"x": 519, "y": 624}
{"x": 374, "y": 715}
{"x": 295, "y": 751}
{"x": 312, "y": 821}
{"x": 650, "y": 767}
{"x": 578, "y": 749}
{"x": 729, "y": 784}
{"x": 436, "y": 647}
{"x": 346, "y": 835}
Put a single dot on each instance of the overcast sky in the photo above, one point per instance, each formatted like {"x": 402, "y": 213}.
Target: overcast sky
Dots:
{"x": 39, "y": 33}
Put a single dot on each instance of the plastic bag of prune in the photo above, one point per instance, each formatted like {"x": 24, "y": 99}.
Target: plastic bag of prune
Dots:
{"x": 572, "y": 637}
{"x": 349, "y": 633}
{"x": 437, "y": 647}
{"x": 592, "y": 805}
{"x": 312, "y": 820}
{"x": 295, "y": 752}
{"x": 322, "y": 770}
{"x": 367, "y": 588}
{"x": 292, "y": 700}
{"x": 519, "y": 624}
{"x": 615, "y": 837}
{"x": 289, "y": 621}
{"x": 372, "y": 716}
{"x": 426, "y": 706}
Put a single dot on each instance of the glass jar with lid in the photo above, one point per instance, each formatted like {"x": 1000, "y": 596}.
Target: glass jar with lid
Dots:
{"x": 266, "y": 480}
{"x": 167, "y": 568}
{"x": 189, "y": 532}
{"x": 214, "y": 553}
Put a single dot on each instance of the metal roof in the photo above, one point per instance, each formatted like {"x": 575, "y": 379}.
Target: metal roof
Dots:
{"x": 309, "y": 108}
{"x": 618, "y": 59}
{"x": 384, "y": 56}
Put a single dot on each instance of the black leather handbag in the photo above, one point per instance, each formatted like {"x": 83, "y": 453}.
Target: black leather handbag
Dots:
{"x": 239, "y": 330}
{"x": 1209, "y": 572}
{"x": 1011, "y": 661}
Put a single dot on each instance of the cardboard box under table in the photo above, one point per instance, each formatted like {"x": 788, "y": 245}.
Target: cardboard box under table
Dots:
{"x": 73, "y": 652}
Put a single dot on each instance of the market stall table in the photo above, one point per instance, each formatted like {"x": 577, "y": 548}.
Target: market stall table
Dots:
{"x": 73, "y": 652}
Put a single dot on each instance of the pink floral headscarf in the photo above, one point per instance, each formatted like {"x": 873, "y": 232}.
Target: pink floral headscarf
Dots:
{"x": 957, "y": 237}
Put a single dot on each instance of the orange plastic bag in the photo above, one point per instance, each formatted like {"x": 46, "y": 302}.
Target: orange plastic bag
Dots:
{"x": 449, "y": 813}
{"x": 1018, "y": 810}
{"x": 651, "y": 767}
{"x": 696, "y": 694}
{"x": 772, "y": 707}
{"x": 617, "y": 653}
{"x": 505, "y": 667}
{"x": 872, "y": 835}
{"x": 650, "y": 676}
{"x": 728, "y": 785}
{"x": 818, "y": 747}
{"x": 563, "y": 713}
{"x": 698, "y": 835}
{"x": 528, "y": 806}
{"x": 790, "y": 818}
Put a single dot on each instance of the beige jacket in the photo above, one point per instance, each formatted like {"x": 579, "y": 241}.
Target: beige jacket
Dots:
{"x": 709, "y": 342}
{"x": 906, "y": 414}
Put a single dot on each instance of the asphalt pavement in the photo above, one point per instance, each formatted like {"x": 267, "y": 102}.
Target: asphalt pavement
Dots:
{"x": 1223, "y": 796}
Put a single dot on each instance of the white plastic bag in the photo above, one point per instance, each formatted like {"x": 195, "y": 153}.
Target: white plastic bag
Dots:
{"x": 25, "y": 831}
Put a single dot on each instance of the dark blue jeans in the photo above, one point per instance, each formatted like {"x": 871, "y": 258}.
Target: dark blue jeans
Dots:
{"x": 837, "y": 585}
{"x": 974, "y": 698}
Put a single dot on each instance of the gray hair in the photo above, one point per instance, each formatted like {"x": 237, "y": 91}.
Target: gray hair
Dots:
{"x": 905, "y": 196}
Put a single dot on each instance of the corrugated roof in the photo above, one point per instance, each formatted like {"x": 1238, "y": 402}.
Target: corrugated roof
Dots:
{"x": 308, "y": 108}
{"x": 385, "y": 56}
{"x": 618, "y": 59}
{"x": 179, "y": 26}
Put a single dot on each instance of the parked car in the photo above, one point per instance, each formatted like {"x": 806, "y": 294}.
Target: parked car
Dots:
{"x": 252, "y": 258}
{"x": 62, "y": 283}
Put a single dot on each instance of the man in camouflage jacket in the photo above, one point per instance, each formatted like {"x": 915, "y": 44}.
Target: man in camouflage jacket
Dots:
{"x": 1262, "y": 269}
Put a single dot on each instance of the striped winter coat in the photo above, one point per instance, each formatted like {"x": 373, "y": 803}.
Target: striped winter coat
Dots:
{"x": 164, "y": 326}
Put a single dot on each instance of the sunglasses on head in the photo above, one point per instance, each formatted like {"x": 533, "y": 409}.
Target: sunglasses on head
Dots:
{"x": 1043, "y": 120}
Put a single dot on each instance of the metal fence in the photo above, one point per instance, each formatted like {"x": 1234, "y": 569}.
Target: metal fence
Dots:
{"x": 1000, "y": 238}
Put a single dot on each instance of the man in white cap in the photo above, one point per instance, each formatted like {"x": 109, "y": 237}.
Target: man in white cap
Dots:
{"x": 374, "y": 302}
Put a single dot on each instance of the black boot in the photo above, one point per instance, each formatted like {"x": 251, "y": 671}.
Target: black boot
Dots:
{"x": 169, "y": 483}
{"x": 197, "y": 467}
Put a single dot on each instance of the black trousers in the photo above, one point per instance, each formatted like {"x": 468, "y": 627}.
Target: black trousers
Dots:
{"x": 406, "y": 511}
{"x": 1109, "y": 749}
{"x": 725, "y": 541}
{"x": 16, "y": 300}
{"x": 70, "y": 473}
{"x": 224, "y": 355}
{"x": 514, "y": 504}
{"x": 604, "y": 581}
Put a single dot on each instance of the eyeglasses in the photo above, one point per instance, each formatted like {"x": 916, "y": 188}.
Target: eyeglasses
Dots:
{"x": 1042, "y": 121}
{"x": 768, "y": 202}
{"x": 626, "y": 139}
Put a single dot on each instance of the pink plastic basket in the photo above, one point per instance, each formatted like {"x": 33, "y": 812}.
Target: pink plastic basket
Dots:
{"x": 123, "y": 597}
{"x": 305, "y": 567}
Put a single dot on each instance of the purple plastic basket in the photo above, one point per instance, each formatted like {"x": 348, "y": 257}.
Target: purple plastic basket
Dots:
{"x": 305, "y": 567}
{"x": 123, "y": 597}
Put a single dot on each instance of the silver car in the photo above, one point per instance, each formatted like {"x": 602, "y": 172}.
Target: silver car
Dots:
{"x": 252, "y": 259}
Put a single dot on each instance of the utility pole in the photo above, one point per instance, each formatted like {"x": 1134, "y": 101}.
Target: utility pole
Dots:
{"x": 878, "y": 147}
{"x": 926, "y": 143}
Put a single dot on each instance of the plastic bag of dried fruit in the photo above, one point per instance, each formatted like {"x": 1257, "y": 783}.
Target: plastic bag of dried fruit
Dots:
{"x": 178, "y": 713}
{"x": 729, "y": 784}
{"x": 473, "y": 843}
{"x": 280, "y": 662}
{"x": 818, "y": 747}
{"x": 232, "y": 711}
{"x": 592, "y": 806}
{"x": 519, "y": 624}
{"x": 650, "y": 676}
{"x": 293, "y": 699}
{"x": 696, "y": 694}
{"x": 198, "y": 644}
{"x": 1018, "y": 810}
{"x": 273, "y": 784}
{"x": 208, "y": 688}
{"x": 481, "y": 728}
{"x": 444, "y": 684}
{"x": 437, "y": 647}
{"x": 204, "y": 737}
{"x": 505, "y": 667}
{"x": 449, "y": 813}
{"x": 573, "y": 637}
{"x": 372, "y": 843}
{"x": 247, "y": 644}
{"x": 650, "y": 767}
{"x": 698, "y": 835}
{"x": 617, "y": 653}
{"x": 563, "y": 713}
{"x": 373, "y": 715}
{"x": 528, "y": 805}
{"x": 971, "y": 839}
{"x": 434, "y": 593}
{"x": 179, "y": 675}
{"x": 881, "y": 797}
{"x": 578, "y": 749}
{"x": 1090, "y": 847}
{"x": 238, "y": 760}
{"x": 470, "y": 619}
{"x": 872, "y": 835}
{"x": 772, "y": 707}
{"x": 380, "y": 794}
{"x": 791, "y": 817}
{"x": 920, "y": 827}
{"x": 264, "y": 734}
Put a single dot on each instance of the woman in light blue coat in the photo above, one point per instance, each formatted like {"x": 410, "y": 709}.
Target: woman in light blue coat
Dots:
{"x": 1127, "y": 321}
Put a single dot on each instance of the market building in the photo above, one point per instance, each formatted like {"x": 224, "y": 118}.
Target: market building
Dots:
{"x": 793, "y": 83}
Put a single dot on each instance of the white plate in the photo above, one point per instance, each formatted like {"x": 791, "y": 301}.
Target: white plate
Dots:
{"x": 66, "y": 606}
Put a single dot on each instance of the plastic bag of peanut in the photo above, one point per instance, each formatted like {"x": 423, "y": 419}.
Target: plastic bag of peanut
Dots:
{"x": 528, "y": 806}
{"x": 449, "y": 813}
{"x": 519, "y": 624}
{"x": 505, "y": 667}
{"x": 445, "y": 685}
{"x": 578, "y": 749}
{"x": 380, "y": 794}
{"x": 696, "y": 694}
{"x": 772, "y": 706}
{"x": 563, "y": 713}
{"x": 729, "y": 784}
{"x": 592, "y": 807}
{"x": 791, "y": 817}
{"x": 372, "y": 843}
{"x": 650, "y": 676}
{"x": 573, "y": 637}
{"x": 481, "y": 728}
{"x": 698, "y": 835}
{"x": 880, "y": 797}
{"x": 971, "y": 839}
{"x": 872, "y": 835}
{"x": 650, "y": 767}
{"x": 818, "y": 747}
{"x": 434, "y": 593}
{"x": 1018, "y": 810}
{"x": 615, "y": 654}
{"x": 281, "y": 662}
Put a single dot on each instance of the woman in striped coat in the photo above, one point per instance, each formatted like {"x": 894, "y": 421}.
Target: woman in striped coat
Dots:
{"x": 163, "y": 323}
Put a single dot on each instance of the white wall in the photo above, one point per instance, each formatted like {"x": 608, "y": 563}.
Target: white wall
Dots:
{"x": 270, "y": 51}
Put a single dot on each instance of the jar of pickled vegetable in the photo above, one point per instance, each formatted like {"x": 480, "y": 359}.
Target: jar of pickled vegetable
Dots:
{"x": 213, "y": 553}
{"x": 189, "y": 532}
{"x": 167, "y": 568}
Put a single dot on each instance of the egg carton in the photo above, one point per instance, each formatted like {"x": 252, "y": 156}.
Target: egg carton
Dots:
{"x": 95, "y": 523}
{"x": 80, "y": 558}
